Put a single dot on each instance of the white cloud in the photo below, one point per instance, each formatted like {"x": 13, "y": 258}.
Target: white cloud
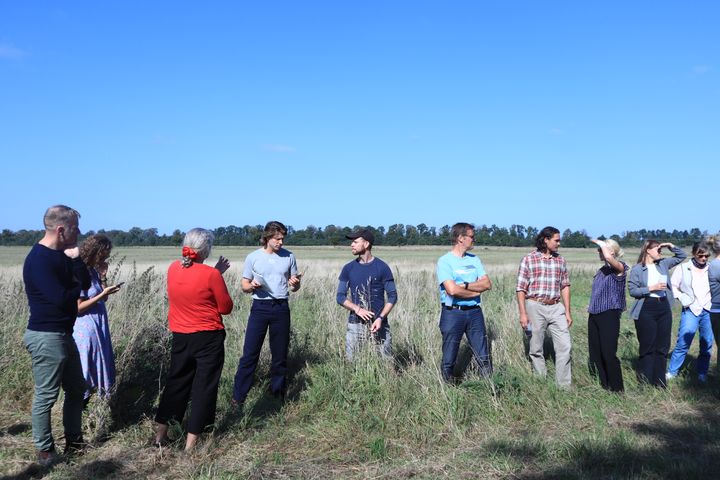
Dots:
{"x": 279, "y": 148}
{"x": 11, "y": 52}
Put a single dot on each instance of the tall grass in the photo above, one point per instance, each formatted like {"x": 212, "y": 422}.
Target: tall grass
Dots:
{"x": 372, "y": 417}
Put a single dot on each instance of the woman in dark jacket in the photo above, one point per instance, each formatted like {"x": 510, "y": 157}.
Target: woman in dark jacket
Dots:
{"x": 648, "y": 284}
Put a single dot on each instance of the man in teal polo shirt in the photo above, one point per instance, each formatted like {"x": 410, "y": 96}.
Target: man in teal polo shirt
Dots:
{"x": 461, "y": 279}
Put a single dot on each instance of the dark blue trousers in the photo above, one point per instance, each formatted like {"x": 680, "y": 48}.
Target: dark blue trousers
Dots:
{"x": 272, "y": 315}
{"x": 453, "y": 325}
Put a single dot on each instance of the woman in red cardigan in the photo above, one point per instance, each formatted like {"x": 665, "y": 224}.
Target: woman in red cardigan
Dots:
{"x": 198, "y": 297}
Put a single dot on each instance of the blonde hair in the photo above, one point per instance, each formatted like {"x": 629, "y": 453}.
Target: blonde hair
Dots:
{"x": 713, "y": 242}
{"x": 615, "y": 247}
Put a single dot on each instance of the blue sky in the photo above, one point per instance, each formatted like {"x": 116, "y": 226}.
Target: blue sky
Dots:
{"x": 602, "y": 116}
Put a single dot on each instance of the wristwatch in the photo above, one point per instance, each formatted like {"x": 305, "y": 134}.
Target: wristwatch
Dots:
{"x": 380, "y": 317}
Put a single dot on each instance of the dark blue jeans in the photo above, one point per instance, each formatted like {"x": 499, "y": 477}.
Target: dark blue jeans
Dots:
{"x": 455, "y": 323}
{"x": 272, "y": 315}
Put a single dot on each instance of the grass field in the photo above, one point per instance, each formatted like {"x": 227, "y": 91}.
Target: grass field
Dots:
{"x": 369, "y": 419}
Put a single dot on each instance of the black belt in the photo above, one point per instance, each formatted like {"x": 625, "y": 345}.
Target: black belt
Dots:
{"x": 274, "y": 301}
{"x": 460, "y": 307}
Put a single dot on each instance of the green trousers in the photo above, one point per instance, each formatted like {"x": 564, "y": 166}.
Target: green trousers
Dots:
{"x": 55, "y": 364}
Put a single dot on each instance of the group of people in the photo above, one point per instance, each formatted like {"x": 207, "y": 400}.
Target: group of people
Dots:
{"x": 543, "y": 296}
{"x": 68, "y": 335}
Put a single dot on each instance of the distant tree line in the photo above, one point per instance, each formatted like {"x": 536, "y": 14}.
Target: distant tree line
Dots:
{"x": 394, "y": 235}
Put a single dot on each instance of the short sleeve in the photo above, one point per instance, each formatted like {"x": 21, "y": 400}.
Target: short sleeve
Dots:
{"x": 480, "y": 268}
{"x": 248, "y": 267}
{"x": 293, "y": 265}
{"x": 444, "y": 270}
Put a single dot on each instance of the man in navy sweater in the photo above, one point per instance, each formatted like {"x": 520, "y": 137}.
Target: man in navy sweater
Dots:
{"x": 369, "y": 280}
{"x": 54, "y": 274}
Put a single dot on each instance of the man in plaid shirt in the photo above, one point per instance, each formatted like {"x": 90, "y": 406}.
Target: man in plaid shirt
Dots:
{"x": 543, "y": 296}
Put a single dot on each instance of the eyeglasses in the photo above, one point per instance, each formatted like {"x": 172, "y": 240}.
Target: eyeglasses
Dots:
{"x": 702, "y": 255}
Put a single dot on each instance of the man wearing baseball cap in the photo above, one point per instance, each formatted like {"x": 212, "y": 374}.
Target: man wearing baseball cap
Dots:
{"x": 372, "y": 296}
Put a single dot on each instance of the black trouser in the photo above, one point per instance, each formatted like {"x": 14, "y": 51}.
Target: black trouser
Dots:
{"x": 603, "y": 332}
{"x": 196, "y": 363}
{"x": 653, "y": 332}
{"x": 715, "y": 322}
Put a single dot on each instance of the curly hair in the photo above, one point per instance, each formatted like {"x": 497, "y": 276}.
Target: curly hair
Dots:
{"x": 94, "y": 249}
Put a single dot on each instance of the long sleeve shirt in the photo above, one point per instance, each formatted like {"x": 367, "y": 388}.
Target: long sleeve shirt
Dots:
{"x": 198, "y": 297}
{"x": 53, "y": 283}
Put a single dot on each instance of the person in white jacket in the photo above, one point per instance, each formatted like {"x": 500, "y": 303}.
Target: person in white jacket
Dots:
{"x": 691, "y": 287}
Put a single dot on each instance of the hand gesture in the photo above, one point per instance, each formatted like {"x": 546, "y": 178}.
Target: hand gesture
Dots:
{"x": 222, "y": 264}
{"x": 376, "y": 325}
{"x": 73, "y": 252}
{"x": 365, "y": 315}
{"x": 107, "y": 291}
{"x": 294, "y": 281}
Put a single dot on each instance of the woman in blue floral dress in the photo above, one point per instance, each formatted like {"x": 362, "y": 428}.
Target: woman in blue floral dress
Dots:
{"x": 92, "y": 331}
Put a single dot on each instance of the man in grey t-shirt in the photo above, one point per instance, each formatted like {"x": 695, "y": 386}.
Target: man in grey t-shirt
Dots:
{"x": 270, "y": 273}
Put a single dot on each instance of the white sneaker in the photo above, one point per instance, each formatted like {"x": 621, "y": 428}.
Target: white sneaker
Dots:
{"x": 670, "y": 376}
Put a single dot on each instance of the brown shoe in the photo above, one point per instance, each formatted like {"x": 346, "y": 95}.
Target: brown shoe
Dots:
{"x": 47, "y": 458}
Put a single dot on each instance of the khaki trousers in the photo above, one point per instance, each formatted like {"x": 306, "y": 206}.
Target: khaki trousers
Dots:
{"x": 550, "y": 318}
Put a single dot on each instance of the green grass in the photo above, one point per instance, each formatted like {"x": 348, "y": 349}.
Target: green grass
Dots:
{"x": 371, "y": 418}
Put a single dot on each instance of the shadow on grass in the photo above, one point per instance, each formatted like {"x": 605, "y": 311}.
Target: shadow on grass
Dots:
{"x": 31, "y": 471}
{"x": 684, "y": 447}
{"x": 99, "y": 469}
{"x": 406, "y": 354}
{"x": 138, "y": 387}
{"x": 16, "y": 429}
{"x": 302, "y": 355}
{"x": 465, "y": 355}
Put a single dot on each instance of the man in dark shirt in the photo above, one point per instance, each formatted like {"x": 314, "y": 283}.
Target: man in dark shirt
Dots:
{"x": 54, "y": 274}
{"x": 369, "y": 280}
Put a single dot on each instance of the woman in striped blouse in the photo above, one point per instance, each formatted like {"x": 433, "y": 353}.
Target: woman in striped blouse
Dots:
{"x": 607, "y": 302}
